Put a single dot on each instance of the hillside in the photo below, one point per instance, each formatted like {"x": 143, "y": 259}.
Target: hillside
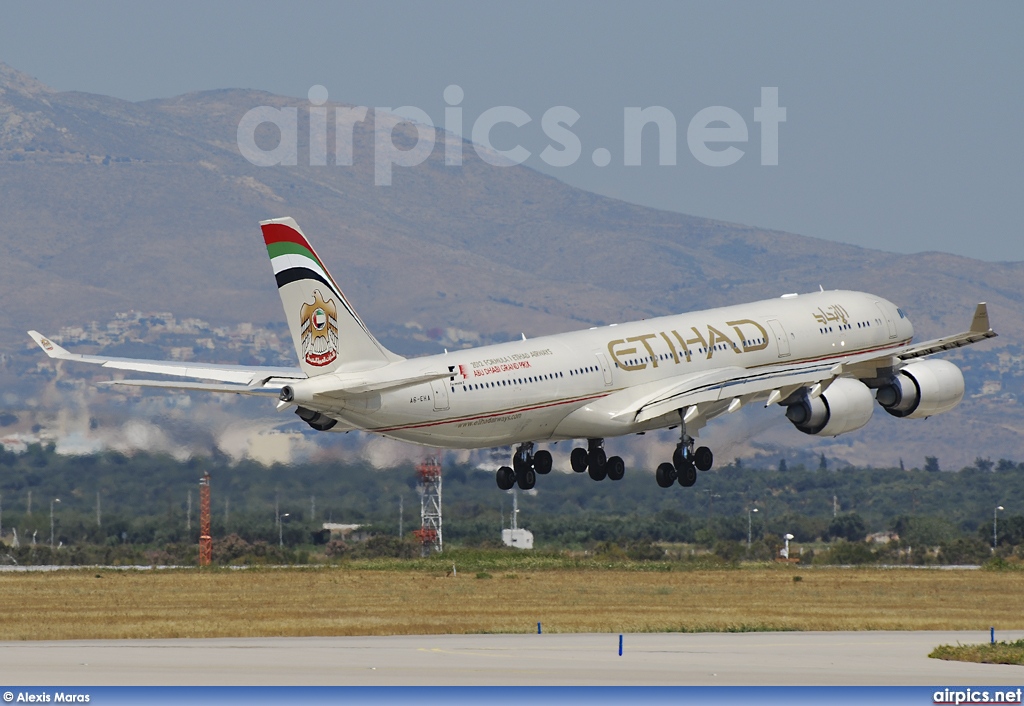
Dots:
{"x": 113, "y": 206}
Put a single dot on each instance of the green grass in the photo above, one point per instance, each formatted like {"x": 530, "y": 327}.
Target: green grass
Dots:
{"x": 998, "y": 653}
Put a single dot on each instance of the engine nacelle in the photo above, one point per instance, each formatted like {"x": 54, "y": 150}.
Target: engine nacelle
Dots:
{"x": 317, "y": 420}
{"x": 845, "y": 406}
{"x": 922, "y": 389}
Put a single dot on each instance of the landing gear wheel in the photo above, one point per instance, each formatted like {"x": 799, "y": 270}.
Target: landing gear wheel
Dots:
{"x": 506, "y": 478}
{"x": 578, "y": 459}
{"x": 681, "y": 458}
{"x": 616, "y": 468}
{"x": 688, "y": 475}
{"x": 665, "y": 475}
{"x": 542, "y": 462}
{"x": 598, "y": 472}
{"x": 703, "y": 458}
{"x": 598, "y": 458}
{"x": 519, "y": 464}
{"x": 527, "y": 479}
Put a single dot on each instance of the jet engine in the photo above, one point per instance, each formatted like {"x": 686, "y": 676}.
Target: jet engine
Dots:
{"x": 845, "y": 406}
{"x": 317, "y": 420}
{"x": 922, "y": 389}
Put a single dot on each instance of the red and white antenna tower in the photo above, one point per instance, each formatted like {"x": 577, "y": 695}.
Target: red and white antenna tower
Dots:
{"x": 205, "y": 541}
{"x": 429, "y": 475}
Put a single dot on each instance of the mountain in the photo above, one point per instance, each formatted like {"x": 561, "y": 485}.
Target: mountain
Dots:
{"x": 110, "y": 206}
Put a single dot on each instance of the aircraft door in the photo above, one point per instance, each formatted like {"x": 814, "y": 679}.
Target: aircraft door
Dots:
{"x": 606, "y": 369}
{"x": 440, "y": 389}
{"x": 781, "y": 339}
{"x": 888, "y": 320}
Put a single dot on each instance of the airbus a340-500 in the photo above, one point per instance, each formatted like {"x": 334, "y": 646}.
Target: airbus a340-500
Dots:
{"x": 825, "y": 357}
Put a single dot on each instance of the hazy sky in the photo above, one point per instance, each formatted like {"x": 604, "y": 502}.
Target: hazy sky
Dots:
{"x": 903, "y": 122}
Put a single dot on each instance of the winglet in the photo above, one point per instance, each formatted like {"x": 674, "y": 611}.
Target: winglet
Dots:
{"x": 980, "y": 324}
{"x": 49, "y": 347}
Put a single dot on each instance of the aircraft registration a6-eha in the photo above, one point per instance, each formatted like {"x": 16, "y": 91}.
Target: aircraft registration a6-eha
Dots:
{"x": 825, "y": 357}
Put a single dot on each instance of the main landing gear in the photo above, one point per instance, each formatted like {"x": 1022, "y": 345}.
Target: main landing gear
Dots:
{"x": 686, "y": 461}
{"x": 595, "y": 461}
{"x": 525, "y": 466}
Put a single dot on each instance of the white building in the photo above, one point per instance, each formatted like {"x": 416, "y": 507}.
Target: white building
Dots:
{"x": 518, "y": 538}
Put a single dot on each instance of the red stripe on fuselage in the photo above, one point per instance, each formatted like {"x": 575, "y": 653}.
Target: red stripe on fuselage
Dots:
{"x": 844, "y": 354}
{"x": 459, "y": 420}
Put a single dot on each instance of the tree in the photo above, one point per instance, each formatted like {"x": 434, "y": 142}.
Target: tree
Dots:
{"x": 849, "y": 526}
{"x": 931, "y": 464}
{"x": 847, "y": 553}
{"x": 924, "y": 531}
{"x": 823, "y": 463}
{"x": 965, "y": 550}
{"x": 1005, "y": 465}
{"x": 983, "y": 464}
{"x": 782, "y": 465}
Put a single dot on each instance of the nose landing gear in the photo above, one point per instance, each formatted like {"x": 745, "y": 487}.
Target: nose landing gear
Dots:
{"x": 686, "y": 461}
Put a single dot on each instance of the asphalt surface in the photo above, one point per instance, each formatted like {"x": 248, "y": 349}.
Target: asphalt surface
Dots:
{"x": 791, "y": 658}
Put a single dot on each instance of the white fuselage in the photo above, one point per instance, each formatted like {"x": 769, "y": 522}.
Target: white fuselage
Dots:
{"x": 538, "y": 389}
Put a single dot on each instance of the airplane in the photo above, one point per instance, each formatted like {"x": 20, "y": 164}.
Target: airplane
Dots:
{"x": 825, "y": 357}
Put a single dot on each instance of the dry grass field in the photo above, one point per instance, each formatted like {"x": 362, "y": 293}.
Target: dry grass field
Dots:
{"x": 79, "y": 604}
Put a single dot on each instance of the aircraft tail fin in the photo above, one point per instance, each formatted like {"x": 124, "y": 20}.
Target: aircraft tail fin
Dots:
{"x": 327, "y": 332}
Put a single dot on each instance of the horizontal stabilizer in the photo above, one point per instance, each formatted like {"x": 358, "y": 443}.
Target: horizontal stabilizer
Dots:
{"x": 204, "y": 386}
{"x": 339, "y": 386}
{"x": 246, "y": 375}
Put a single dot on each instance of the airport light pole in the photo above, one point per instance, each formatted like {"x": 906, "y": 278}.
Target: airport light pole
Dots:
{"x": 55, "y": 500}
{"x": 750, "y": 513}
{"x": 711, "y": 502}
{"x": 280, "y": 530}
{"x": 995, "y": 520}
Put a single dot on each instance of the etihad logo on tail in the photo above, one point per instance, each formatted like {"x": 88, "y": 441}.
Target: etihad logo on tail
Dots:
{"x": 319, "y": 326}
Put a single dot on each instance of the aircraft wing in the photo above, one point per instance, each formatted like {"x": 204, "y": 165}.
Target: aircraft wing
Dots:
{"x": 979, "y": 331}
{"x": 242, "y": 376}
{"x": 696, "y": 393}
{"x": 704, "y": 395}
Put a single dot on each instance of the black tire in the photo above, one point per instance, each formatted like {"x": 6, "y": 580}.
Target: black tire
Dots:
{"x": 542, "y": 462}
{"x": 703, "y": 459}
{"x": 679, "y": 460}
{"x": 688, "y": 476}
{"x": 578, "y": 459}
{"x": 666, "y": 475}
{"x": 518, "y": 464}
{"x": 597, "y": 457}
{"x": 505, "y": 477}
{"x": 527, "y": 479}
{"x": 598, "y": 472}
{"x": 616, "y": 468}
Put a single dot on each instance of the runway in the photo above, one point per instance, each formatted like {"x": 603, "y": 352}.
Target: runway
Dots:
{"x": 791, "y": 658}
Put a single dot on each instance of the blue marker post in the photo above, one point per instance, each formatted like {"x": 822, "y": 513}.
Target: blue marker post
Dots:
{"x": 620, "y": 645}
{"x": 538, "y": 628}
{"x": 992, "y": 635}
